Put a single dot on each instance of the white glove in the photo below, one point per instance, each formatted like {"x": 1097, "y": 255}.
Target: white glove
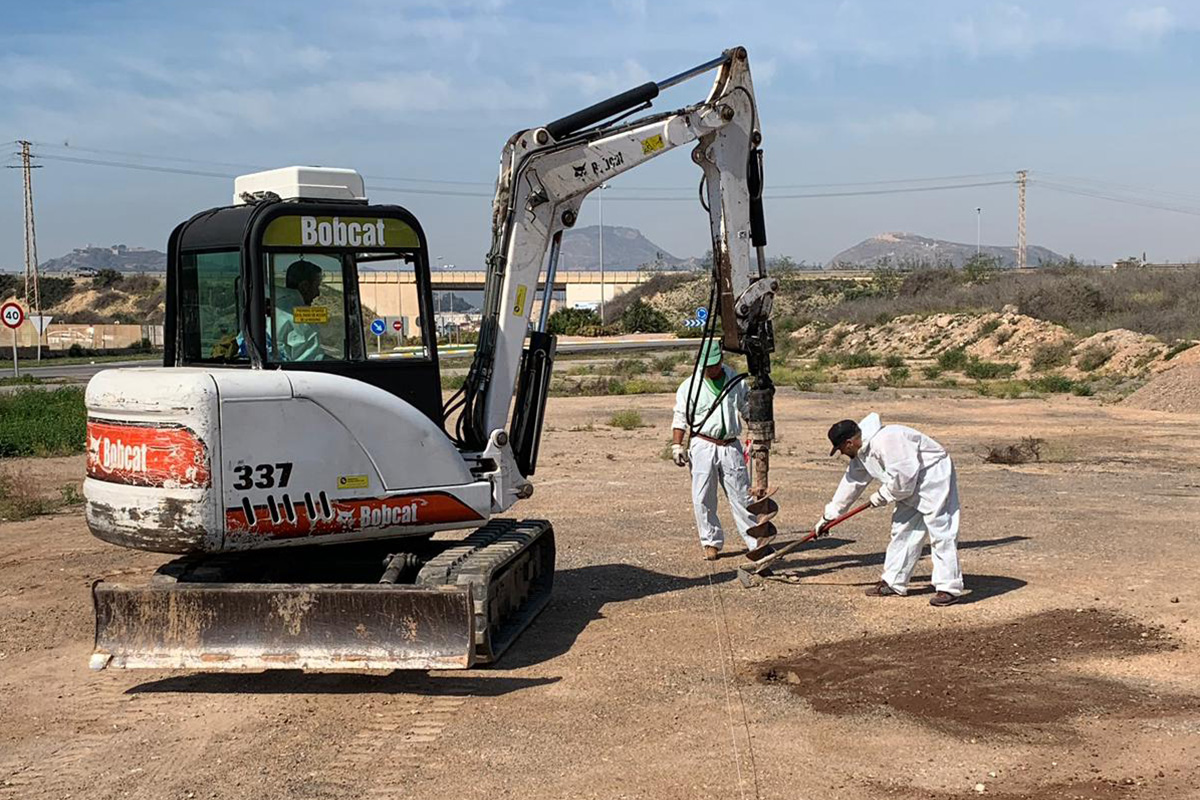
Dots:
{"x": 679, "y": 455}
{"x": 820, "y": 526}
{"x": 877, "y": 500}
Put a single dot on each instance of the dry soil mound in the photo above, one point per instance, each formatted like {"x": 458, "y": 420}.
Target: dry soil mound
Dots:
{"x": 1006, "y": 336}
{"x": 1176, "y": 390}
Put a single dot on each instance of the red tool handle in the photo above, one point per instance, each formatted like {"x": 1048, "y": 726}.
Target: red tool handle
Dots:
{"x": 808, "y": 537}
{"x": 847, "y": 515}
{"x": 838, "y": 521}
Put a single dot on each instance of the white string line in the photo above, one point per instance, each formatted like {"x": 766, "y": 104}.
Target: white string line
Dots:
{"x": 738, "y": 689}
{"x": 737, "y": 760}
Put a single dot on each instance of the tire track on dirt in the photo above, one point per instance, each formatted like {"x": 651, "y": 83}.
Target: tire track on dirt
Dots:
{"x": 94, "y": 709}
{"x": 399, "y": 740}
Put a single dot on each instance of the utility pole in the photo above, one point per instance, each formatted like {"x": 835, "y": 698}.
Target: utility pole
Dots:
{"x": 33, "y": 298}
{"x": 1022, "y": 174}
{"x": 978, "y": 227}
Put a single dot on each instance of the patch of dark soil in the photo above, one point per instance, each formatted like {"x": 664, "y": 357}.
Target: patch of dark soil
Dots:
{"x": 997, "y": 679}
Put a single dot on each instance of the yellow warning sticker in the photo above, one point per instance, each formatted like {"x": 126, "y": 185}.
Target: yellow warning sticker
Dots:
{"x": 310, "y": 315}
{"x": 353, "y": 482}
{"x": 519, "y": 306}
{"x": 652, "y": 143}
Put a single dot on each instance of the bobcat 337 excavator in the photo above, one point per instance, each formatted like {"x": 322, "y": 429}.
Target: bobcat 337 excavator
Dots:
{"x": 300, "y": 481}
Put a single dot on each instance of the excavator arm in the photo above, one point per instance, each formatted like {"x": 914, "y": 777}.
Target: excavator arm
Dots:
{"x": 545, "y": 175}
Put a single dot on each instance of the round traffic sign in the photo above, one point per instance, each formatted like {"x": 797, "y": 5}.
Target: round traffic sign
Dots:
{"x": 702, "y": 314}
{"x": 377, "y": 327}
{"x": 398, "y": 325}
{"x": 12, "y": 315}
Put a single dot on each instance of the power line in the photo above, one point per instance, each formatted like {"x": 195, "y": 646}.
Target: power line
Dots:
{"x": 1057, "y": 186}
{"x": 449, "y": 182}
{"x": 449, "y": 193}
{"x": 813, "y": 195}
{"x": 142, "y": 167}
{"x": 1083, "y": 192}
{"x": 1102, "y": 185}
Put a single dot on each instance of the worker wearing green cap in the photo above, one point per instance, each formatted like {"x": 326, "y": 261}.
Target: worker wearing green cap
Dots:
{"x": 714, "y": 451}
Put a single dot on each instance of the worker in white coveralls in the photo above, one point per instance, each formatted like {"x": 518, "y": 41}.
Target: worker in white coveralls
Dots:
{"x": 714, "y": 452}
{"x": 298, "y": 341}
{"x": 916, "y": 474}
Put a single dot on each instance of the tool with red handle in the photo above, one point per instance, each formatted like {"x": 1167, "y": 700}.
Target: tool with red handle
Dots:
{"x": 760, "y": 564}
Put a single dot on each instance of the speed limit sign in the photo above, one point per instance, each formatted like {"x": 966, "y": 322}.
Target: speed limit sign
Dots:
{"x": 12, "y": 315}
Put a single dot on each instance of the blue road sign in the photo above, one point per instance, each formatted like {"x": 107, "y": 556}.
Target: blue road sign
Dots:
{"x": 702, "y": 314}
{"x": 378, "y": 327}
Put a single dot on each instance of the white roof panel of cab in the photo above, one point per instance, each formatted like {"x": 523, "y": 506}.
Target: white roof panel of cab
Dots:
{"x": 290, "y": 183}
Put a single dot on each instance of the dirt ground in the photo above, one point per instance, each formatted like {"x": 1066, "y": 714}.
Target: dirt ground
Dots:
{"x": 1072, "y": 669}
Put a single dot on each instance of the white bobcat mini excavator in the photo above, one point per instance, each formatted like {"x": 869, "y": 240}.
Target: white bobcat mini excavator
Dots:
{"x": 300, "y": 480}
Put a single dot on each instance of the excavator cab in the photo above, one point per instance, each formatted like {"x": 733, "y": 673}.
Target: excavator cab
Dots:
{"x": 274, "y": 282}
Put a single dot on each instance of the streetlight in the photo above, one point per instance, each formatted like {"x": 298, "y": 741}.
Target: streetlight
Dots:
{"x": 600, "y": 197}
{"x": 978, "y": 227}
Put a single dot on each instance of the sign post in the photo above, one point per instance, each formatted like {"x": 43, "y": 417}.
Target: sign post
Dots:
{"x": 377, "y": 328}
{"x": 12, "y": 315}
{"x": 40, "y": 323}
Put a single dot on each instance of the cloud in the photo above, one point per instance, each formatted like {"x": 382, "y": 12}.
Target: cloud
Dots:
{"x": 1150, "y": 23}
{"x": 905, "y": 122}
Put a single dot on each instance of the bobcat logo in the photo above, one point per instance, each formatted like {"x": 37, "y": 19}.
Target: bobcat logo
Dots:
{"x": 581, "y": 171}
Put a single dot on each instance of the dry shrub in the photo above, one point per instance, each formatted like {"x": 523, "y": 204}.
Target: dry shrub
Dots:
{"x": 19, "y": 499}
{"x": 1094, "y": 357}
{"x": 1050, "y": 355}
{"x": 1022, "y": 452}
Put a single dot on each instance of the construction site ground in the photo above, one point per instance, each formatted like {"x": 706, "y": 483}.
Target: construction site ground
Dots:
{"x": 1070, "y": 670}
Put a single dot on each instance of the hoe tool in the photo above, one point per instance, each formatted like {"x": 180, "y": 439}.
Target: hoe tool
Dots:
{"x": 759, "y": 565}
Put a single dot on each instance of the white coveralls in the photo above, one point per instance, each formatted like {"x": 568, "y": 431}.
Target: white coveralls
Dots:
{"x": 297, "y": 341}
{"x": 712, "y": 463}
{"x": 916, "y": 473}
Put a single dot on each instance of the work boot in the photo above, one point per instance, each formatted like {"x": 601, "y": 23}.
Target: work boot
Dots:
{"x": 943, "y": 599}
{"x": 882, "y": 589}
{"x": 710, "y": 552}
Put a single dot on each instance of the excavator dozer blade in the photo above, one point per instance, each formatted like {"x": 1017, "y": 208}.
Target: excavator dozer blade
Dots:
{"x": 228, "y": 626}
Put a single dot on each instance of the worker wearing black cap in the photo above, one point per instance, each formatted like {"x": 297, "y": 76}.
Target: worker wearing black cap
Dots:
{"x": 916, "y": 474}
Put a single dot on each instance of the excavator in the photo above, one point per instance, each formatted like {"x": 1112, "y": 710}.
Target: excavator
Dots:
{"x": 299, "y": 480}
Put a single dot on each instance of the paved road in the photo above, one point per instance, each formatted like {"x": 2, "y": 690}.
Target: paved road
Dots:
{"x": 81, "y": 372}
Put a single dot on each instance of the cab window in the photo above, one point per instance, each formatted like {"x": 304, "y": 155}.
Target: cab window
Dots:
{"x": 306, "y": 308}
{"x": 209, "y": 307}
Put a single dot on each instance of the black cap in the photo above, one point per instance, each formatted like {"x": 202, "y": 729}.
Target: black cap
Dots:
{"x": 840, "y": 432}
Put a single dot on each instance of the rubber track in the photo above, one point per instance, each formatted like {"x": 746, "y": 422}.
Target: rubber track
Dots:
{"x": 509, "y": 566}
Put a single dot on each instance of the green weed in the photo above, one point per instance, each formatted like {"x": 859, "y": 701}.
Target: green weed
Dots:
{"x": 35, "y": 422}
{"x": 626, "y": 420}
{"x": 988, "y": 370}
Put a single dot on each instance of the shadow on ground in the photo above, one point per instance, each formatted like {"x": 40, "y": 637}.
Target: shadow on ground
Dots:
{"x": 580, "y": 595}
{"x": 802, "y": 565}
{"x": 299, "y": 682}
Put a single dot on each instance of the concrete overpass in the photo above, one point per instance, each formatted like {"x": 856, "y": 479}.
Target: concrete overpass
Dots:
{"x": 394, "y": 294}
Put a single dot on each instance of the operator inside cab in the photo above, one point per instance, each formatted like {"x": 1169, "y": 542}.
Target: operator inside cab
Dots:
{"x": 298, "y": 341}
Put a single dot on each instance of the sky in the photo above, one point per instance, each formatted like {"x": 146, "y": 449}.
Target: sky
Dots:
{"x": 1098, "y": 99}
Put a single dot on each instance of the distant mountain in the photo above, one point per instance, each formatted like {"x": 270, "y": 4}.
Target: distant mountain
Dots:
{"x": 118, "y": 257}
{"x": 908, "y": 248}
{"x": 624, "y": 249}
